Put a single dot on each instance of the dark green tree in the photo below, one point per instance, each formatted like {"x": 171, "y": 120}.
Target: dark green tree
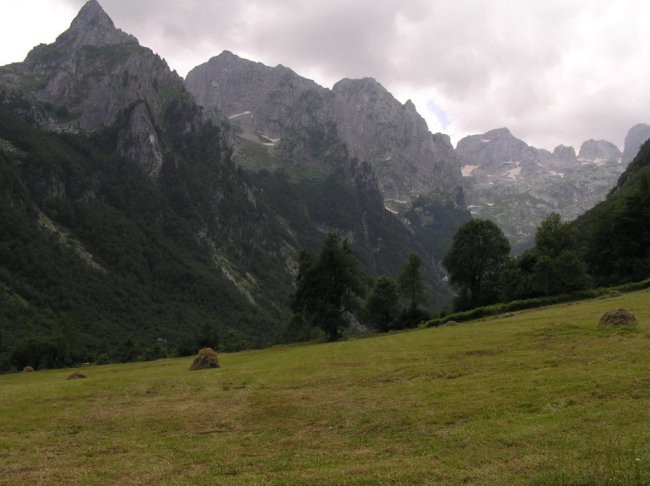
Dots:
{"x": 411, "y": 281}
{"x": 553, "y": 236}
{"x": 475, "y": 261}
{"x": 382, "y": 306}
{"x": 328, "y": 287}
{"x": 558, "y": 267}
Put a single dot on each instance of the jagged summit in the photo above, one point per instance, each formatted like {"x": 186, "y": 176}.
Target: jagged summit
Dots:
{"x": 93, "y": 27}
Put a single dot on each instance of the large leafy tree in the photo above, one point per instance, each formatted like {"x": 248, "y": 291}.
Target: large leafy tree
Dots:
{"x": 558, "y": 267}
{"x": 475, "y": 261}
{"x": 328, "y": 287}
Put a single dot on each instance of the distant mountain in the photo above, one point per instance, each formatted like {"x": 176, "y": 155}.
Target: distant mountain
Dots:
{"x": 517, "y": 185}
{"x": 288, "y": 113}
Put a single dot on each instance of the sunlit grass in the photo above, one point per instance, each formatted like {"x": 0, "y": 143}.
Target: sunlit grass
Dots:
{"x": 540, "y": 397}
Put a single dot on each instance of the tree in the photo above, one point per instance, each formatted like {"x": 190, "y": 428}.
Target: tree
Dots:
{"x": 558, "y": 267}
{"x": 328, "y": 287}
{"x": 475, "y": 261}
{"x": 411, "y": 282}
{"x": 382, "y": 305}
{"x": 553, "y": 236}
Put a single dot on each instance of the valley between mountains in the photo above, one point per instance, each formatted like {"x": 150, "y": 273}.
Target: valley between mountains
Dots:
{"x": 140, "y": 209}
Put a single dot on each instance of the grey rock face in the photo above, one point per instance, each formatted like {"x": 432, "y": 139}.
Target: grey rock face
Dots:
{"x": 394, "y": 138}
{"x": 242, "y": 89}
{"x": 139, "y": 141}
{"x": 636, "y": 136}
{"x": 300, "y": 119}
{"x": 599, "y": 151}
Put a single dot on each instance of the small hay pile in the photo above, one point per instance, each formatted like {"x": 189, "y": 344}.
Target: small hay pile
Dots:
{"x": 28, "y": 369}
{"x": 77, "y": 375}
{"x": 206, "y": 358}
{"x": 618, "y": 318}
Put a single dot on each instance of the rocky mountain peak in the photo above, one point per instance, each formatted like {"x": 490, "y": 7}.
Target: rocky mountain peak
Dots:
{"x": 599, "y": 150}
{"x": 494, "y": 147}
{"x": 93, "y": 27}
{"x": 291, "y": 113}
{"x": 563, "y": 153}
{"x": 636, "y": 136}
{"x": 239, "y": 87}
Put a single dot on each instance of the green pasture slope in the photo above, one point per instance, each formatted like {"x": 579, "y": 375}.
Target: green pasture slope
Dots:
{"x": 538, "y": 397}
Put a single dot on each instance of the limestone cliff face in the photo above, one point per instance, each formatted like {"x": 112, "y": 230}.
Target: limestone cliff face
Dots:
{"x": 92, "y": 74}
{"x": 636, "y": 136}
{"x": 300, "y": 120}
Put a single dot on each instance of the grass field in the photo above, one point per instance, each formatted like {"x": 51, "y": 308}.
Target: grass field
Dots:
{"x": 539, "y": 397}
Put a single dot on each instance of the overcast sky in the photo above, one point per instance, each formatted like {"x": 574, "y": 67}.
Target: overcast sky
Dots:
{"x": 553, "y": 71}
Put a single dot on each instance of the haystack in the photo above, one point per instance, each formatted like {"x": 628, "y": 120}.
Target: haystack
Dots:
{"x": 618, "y": 318}
{"x": 77, "y": 375}
{"x": 206, "y": 358}
{"x": 28, "y": 369}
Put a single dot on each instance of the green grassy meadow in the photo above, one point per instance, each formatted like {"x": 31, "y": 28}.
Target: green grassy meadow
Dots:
{"x": 537, "y": 397}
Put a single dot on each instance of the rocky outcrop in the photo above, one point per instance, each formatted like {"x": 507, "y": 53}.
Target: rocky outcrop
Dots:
{"x": 636, "y": 136}
{"x": 300, "y": 120}
{"x": 139, "y": 141}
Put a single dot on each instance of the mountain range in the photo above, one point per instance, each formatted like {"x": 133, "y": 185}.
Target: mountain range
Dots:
{"x": 129, "y": 227}
{"x": 141, "y": 211}
{"x": 518, "y": 185}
